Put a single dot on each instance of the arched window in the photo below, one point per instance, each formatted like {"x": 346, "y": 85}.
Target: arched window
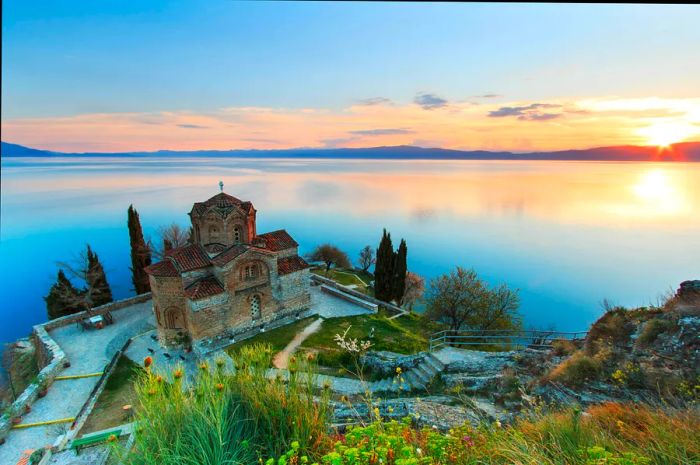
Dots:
{"x": 255, "y": 307}
{"x": 251, "y": 271}
{"x": 237, "y": 235}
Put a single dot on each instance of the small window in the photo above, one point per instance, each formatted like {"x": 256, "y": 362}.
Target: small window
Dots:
{"x": 255, "y": 307}
{"x": 237, "y": 235}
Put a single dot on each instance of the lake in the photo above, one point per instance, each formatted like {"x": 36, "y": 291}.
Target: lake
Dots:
{"x": 566, "y": 234}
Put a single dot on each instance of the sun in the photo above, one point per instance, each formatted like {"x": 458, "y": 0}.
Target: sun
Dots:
{"x": 665, "y": 134}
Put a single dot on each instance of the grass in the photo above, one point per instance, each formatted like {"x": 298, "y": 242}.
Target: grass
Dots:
{"x": 405, "y": 335}
{"x": 228, "y": 418}
{"x": 119, "y": 391}
{"x": 277, "y": 338}
{"x": 23, "y": 371}
{"x": 346, "y": 277}
{"x": 607, "y": 434}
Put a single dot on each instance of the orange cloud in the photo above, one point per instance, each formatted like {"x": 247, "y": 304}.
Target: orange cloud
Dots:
{"x": 517, "y": 126}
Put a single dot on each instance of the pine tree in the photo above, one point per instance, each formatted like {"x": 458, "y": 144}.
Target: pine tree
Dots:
{"x": 398, "y": 284}
{"x": 62, "y": 298}
{"x": 98, "y": 290}
{"x": 383, "y": 268}
{"x": 140, "y": 253}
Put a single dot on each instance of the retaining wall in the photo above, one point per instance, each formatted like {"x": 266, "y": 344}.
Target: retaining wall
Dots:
{"x": 329, "y": 282}
{"x": 51, "y": 358}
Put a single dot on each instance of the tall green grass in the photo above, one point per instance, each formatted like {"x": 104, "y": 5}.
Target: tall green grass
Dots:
{"x": 227, "y": 417}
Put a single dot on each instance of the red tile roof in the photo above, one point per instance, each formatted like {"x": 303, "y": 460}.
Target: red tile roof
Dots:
{"x": 163, "y": 269}
{"x": 205, "y": 287}
{"x": 222, "y": 201}
{"x": 188, "y": 258}
{"x": 291, "y": 264}
{"x": 277, "y": 240}
{"x": 229, "y": 254}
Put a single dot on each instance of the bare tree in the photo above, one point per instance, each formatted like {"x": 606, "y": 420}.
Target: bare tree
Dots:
{"x": 330, "y": 255}
{"x": 170, "y": 237}
{"x": 461, "y": 299}
{"x": 414, "y": 289}
{"x": 366, "y": 258}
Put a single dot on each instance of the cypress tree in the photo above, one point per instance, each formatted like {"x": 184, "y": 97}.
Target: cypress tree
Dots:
{"x": 62, "y": 298}
{"x": 399, "y": 272}
{"x": 383, "y": 268}
{"x": 140, "y": 253}
{"x": 99, "y": 292}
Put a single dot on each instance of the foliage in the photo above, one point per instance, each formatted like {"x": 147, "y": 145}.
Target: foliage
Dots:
{"x": 576, "y": 370}
{"x": 225, "y": 417}
{"x": 615, "y": 327}
{"x": 413, "y": 289}
{"x": 383, "y": 268}
{"x": 390, "y": 270}
{"x": 607, "y": 434}
{"x": 563, "y": 347}
{"x": 652, "y": 329}
{"x": 366, "y": 258}
{"x": 171, "y": 236}
{"x": 461, "y": 299}
{"x": 62, "y": 297}
{"x": 86, "y": 268}
{"x": 140, "y": 253}
{"x": 330, "y": 255}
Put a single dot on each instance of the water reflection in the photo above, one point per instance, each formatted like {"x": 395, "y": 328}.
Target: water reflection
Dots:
{"x": 566, "y": 233}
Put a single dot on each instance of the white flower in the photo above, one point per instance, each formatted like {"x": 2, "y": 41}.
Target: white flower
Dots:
{"x": 418, "y": 451}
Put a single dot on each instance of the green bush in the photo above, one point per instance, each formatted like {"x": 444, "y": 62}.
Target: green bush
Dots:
{"x": 576, "y": 370}
{"x": 652, "y": 329}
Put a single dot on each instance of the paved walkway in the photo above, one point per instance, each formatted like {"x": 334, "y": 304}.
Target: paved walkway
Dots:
{"x": 330, "y": 306}
{"x": 281, "y": 359}
{"x": 89, "y": 351}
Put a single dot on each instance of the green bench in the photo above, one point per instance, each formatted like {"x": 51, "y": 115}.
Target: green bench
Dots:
{"x": 78, "y": 444}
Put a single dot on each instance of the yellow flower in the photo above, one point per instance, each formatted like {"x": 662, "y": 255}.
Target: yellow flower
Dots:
{"x": 398, "y": 370}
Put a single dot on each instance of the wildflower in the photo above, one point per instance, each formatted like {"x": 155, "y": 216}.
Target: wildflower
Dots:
{"x": 390, "y": 409}
{"x": 151, "y": 391}
{"x": 112, "y": 438}
{"x": 326, "y": 385}
{"x": 219, "y": 387}
{"x": 148, "y": 361}
{"x": 343, "y": 398}
{"x": 292, "y": 359}
{"x": 468, "y": 440}
{"x": 376, "y": 411}
{"x": 310, "y": 357}
{"x": 398, "y": 370}
{"x": 220, "y": 362}
{"x": 419, "y": 451}
{"x": 435, "y": 427}
{"x": 177, "y": 374}
{"x": 497, "y": 423}
{"x": 620, "y": 424}
{"x": 159, "y": 379}
{"x": 416, "y": 415}
{"x": 203, "y": 366}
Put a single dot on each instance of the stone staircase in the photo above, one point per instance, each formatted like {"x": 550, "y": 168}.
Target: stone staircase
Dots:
{"x": 414, "y": 379}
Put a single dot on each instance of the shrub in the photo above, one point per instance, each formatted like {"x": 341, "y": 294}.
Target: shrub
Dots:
{"x": 563, "y": 347}
{"x": 614, "y": 327}
{"x": 652, "y": 329}
{"x": 576, "y": 370}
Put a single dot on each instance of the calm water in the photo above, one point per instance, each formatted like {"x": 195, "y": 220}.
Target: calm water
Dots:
{"x": 567, "y": 234}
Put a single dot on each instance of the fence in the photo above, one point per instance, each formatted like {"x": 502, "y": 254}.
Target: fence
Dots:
{"x": 500, "y": 339}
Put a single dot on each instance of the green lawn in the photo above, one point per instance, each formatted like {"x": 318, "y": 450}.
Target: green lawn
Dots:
{"x": 278, "y": 338}
{"x": 405, "y": 335}
{"x": 346, "y": 277}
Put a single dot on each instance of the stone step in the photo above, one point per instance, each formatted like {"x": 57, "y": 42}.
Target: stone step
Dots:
{"x": 422, "y": 375}
{"x": 434, "y": 362}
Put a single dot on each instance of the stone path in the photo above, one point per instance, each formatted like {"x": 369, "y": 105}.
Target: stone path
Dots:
{"x": 89, "y": 351}
{"x": 281, "y": 359}
{"x": 329, "y": 306}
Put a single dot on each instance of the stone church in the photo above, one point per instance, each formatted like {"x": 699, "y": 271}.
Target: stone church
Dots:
{"x": 230, "y": 280}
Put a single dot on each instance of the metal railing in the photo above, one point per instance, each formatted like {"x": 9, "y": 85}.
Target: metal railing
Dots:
{"x": 501, "y": 340}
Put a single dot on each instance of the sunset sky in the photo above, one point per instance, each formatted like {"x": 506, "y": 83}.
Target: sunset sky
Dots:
{"x": 149, "y": 75}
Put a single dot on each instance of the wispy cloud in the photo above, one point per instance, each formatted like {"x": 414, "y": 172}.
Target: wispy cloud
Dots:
{"x": 489, "y": 96}
{"x": 192, "y": 126}
{"x": 374, "y": 101}
{"x": 532, "y": 112}
{"x": 382, "y": 132}
{"x": 430, "y": 101}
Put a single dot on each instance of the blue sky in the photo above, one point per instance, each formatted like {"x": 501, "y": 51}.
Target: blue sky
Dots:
{"x": 63, "y": 59}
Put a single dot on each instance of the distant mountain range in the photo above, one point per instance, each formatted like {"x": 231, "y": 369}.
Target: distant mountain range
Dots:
{"x": 685, "y": 151}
